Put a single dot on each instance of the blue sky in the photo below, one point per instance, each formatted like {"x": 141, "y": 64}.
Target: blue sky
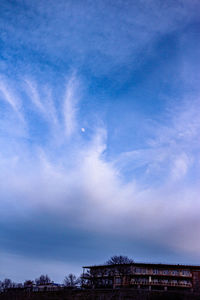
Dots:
{"x": 99, "y": 134}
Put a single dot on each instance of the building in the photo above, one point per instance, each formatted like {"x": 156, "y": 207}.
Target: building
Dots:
{"x": 46, "y": 287}
{"x": 142, "y": 276}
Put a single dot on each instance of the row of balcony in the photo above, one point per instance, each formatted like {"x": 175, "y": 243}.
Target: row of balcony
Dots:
{"x": 149, "y": 273}
{"x": 163, "y": 273}
{"x": 162, "y": 283}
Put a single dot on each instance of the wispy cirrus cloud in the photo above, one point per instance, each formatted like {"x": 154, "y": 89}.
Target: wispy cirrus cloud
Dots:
{"x": 42, "y": 101}
{"x": 12, "y": 99}
{"x": 173, "y": 146}
{"x": 71, "y": 106}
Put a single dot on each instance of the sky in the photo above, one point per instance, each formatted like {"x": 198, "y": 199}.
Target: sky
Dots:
{"x": 99, "y": 134}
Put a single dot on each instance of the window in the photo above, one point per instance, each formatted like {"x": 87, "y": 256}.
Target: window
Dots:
{"x": 165, "y": 281}
{"x": 143, "y": 280}
{"x": 137, "y": 270}
{"x": 118, "y": 280}
{"x": 175, "y": 272}
{"x": 183, "y": 282}
{"x": 143, "y": 271}
{"x": 174, "y": 281}
{"x": 133, "y": 280}
{"x": 185, "y": 272}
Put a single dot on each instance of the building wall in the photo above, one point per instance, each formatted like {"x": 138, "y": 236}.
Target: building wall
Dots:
{"x": 196, "y": 280}
{"x": 145, "y": 276}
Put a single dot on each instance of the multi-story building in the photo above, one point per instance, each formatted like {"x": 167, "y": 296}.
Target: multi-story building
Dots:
{"x": 143, "y": 276}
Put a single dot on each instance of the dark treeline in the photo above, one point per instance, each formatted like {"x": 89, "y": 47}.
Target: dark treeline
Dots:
{"x": 69, "y": 281}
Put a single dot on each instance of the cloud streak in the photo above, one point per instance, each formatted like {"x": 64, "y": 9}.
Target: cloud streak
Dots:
{"x": 11, "y": 99}
{"x": 70, "y": 106}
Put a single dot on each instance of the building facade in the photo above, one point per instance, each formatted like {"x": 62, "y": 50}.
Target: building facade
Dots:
{"x": 142, "y": 276}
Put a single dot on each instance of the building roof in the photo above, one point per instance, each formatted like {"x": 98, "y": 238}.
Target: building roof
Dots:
{"x": 143, "y": 264}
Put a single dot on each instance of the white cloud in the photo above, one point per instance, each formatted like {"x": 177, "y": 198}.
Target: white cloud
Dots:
{"x": 180, "y": 166}
{"x": 82, "y": 188}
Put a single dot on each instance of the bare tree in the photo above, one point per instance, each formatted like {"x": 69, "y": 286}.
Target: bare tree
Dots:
{"x": 1, "y": 286}
{"x": 71, "y": 280}
{"x": 7, "y": 283}
{"x": 43, "y": 279}
{"x": 119, "y": 259}
{"x": 121, "y": 266}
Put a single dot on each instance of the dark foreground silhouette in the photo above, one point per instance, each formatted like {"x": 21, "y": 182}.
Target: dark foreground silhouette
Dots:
{"x": 103, "y": 294}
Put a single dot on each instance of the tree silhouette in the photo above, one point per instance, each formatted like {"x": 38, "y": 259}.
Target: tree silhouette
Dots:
{"x": 7, "y": 283}
{"x": 121, "y": 266}
{"x": 71, "y": 280}
{"x": 43, "y": 279}
{"x": 119, "y": 259}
